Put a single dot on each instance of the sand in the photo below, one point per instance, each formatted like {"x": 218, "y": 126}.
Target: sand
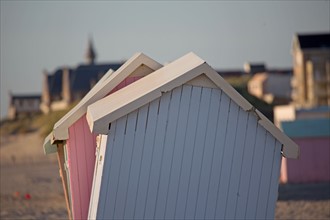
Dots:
{"x": 30, "y": 186}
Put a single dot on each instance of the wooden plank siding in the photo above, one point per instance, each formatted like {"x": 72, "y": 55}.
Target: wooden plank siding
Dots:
{"x": 193, "y": 153}
{"x": 81, "y": 147}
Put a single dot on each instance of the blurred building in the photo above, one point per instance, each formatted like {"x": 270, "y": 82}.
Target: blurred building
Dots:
{"x": 311, "y": 64}
{"x": 67, "y": 85}
{"x": 272, "y": 86}
{"x": 22, "y": 105}
{"x": 307, "y": 119}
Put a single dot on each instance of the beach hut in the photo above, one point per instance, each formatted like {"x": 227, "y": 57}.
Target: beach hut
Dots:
{"x": 181, "y": 143}
{"x": 313, "y": 137}
{"x": 310, "y": 128}
{"x": 76, "y": 145}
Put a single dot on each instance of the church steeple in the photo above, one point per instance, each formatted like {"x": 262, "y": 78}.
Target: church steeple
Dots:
{"x": 90, "y": 53}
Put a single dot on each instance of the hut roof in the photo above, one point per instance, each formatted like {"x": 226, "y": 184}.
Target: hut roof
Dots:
{"x": 189, "y": 69}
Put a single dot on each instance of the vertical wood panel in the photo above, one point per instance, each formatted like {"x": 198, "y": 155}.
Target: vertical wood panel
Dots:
{"x": 227, "y": 160}
{"x": 74, "y": 174}
{"x": 265, "y": 177}
{"x": 115, "y": 167}
{"x": 217, "y": 157}
{"x": 61, "y": 162}
{"x": 198, "y": 150}
{"x": 136, "y": 163}
{"x": 175, "y": 170}
{"x": 158, "y": 147}
{"x": 106, "y": 171}
{"x": 125, "y": 166}
{"x": 246, "y": 166}
{"x": 188, "y": 153}
{"x": 254, "y": 182}
{"x": 205, "y": 174}
{"x": 81, "y": 154}
{"x": 236, "y": 165}
{"x": 273, "y": 190}
{"x": 96, "y": 187}
{"x": 81, "y": 168}
{"x": 169, "y": 144}
{"x": 146, "y": 160}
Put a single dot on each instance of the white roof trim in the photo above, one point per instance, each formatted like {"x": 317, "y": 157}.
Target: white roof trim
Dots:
{"x": 175, "y": 74}
{"x": 108, "y": 82}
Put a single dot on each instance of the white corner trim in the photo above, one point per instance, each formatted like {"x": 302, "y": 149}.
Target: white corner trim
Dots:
{"x": 290, "y": 148}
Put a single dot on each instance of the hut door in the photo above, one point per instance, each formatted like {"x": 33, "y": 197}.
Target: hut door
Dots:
{"x": 99, "y": 162}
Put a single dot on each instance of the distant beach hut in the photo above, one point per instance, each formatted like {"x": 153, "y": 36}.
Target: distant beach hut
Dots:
{"x": 181, "y": 143}
{"x": 310, "y": 129}
{"x": 313, "y": 137}
{"x": 76, "y": 145}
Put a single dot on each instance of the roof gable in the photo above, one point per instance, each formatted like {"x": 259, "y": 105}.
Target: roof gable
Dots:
{"x": 313, "y": 41}
{"x": 185, "y": 70}
{"x": 138, "y": 65}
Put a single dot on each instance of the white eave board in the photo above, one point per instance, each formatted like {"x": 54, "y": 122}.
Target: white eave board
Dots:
{"x": 175, "y": 74}
{"x": 139, "y": 64}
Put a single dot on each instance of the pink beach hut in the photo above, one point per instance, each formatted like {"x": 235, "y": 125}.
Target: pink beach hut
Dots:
{"x": 181, "y": 143}
{"x": 310, "y": 128}
{"x": 313, "y": 137}
{"x": 76, "y": 145}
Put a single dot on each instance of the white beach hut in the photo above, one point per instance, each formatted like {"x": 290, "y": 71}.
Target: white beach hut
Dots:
{"x": 76, "y": 145}
{"x": 183, "y": 144}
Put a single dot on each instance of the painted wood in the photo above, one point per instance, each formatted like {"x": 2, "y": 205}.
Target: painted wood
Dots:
{"x": 150, "y": 132}
{"x": 313, "y": 163}
{"x": 179, "y": 141}
{"x": 254, "y": 181}
{"x": 114, "y": 168}
{"x": 99, "y": 163}
{"x": 126, "y": 160}
{"x": 81, "y": 152}
{"x": 168, "y": 154}
{"x": 105, "y": 172}
{"x": 133, "y": 182}
{"x": 307, "y": 128}
{"x": 183, "y": 70}
{"x": 208, "y": 152}
{"x": 235, "y": 167}
{"x": 191, "y": 154}
{"x": 266, "y": 174}
{"x": 190, "y": 135}
{"x": 230, "y": 138}
{"x": 61, "y": 164}
{"x": 246, "y": 166}
{"x": 275, "y": 175}
{"x": 217, "y": 157}
{"x": 157, "y": 153}
{"x": 198, "y": 150}
{"x": 81, "y": 156}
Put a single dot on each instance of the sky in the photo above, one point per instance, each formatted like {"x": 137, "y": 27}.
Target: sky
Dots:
{"x": 45, "y": 35}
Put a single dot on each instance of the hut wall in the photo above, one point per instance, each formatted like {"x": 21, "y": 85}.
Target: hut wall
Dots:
{"x": 192, "y": 153}
{"x": 313, "y": 164}
{"x": 81, "y": 147}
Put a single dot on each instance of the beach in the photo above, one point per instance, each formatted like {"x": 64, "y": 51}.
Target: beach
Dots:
{"x": 31, "y": 186}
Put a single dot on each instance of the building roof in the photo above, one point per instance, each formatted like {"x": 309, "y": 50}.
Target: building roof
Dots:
{"x": 309, "y": 41}
{"x": 25, "y": 96}
{"x": 82, "y": 78}
{"x": 184, "y": 70}
{"x": 138, "y": 65}
{"x": 307, "y": 128}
